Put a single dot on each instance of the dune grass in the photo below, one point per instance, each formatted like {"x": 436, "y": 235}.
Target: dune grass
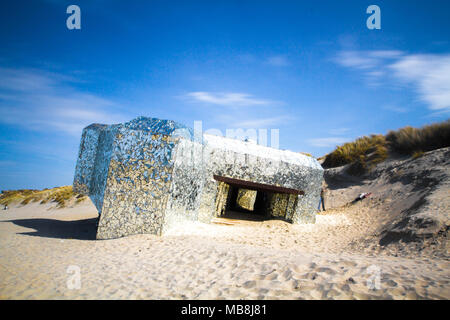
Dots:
{"x": 418, "y": 154}
{"x": 410, "y": 140}
{"x": 59, "y": 195}
{"x": 365, "y": 152}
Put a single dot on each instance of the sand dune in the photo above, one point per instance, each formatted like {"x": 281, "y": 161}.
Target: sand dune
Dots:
{"x": 342, "y": 256}
{"x": 253, "y": 260}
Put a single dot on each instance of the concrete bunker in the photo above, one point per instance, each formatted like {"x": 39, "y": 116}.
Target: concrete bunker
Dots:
{"x": 148, "y": 174}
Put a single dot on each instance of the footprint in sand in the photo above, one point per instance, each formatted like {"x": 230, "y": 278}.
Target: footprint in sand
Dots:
{"x": 349, "y": 263}
{"x": 266, "y": 274}
{"x": 249, "y": 284}
{"x": 311, "y": 275}
{"x": 328, "y": 271}
{"x": 287, "y": 274}
{"x": 272, "y": 276}
{"x": 390, "y": 283}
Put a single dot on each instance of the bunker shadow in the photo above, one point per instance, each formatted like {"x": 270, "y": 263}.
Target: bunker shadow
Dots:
{"x": 246, "y": 215}
{"x": 85, "y": 229}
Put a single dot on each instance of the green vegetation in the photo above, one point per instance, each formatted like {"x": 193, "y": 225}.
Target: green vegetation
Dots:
{"x": 417, "y": 154}
{"x": 60, "y": 195}
{"x": 365, "y": 152}
{"x": 409, "y": 140}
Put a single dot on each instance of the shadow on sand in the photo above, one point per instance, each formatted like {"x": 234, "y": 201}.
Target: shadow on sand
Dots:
{"x": 85, "y": 229}
{"x": 249, "y": 216}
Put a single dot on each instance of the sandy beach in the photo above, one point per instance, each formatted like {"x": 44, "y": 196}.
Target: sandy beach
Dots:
{"x": 247, "y": 260}
{"x": 392, "y": 245}
{"x": 196, "y": 151}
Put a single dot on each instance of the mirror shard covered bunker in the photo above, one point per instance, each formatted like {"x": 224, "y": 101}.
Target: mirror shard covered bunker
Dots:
{"x": 148, "y": 175}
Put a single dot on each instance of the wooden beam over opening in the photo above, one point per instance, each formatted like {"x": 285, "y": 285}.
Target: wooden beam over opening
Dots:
{"x": 257, "y": 186}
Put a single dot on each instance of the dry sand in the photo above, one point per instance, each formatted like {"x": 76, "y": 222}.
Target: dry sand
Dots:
{"x": 393, "y": 245}
{"x": 248, "y": 260}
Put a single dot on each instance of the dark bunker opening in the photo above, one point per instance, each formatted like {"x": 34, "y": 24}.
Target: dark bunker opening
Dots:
{"x": 247, "y": 200}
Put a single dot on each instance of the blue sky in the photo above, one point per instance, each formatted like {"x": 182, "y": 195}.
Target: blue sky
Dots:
{"x": 311, "y": 69}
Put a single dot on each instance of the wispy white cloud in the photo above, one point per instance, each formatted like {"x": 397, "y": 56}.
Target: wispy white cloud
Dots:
{"x": 430, "y": 74}
{"x": 262, "y": 122}
{"x": 365, "y": 60}
{"x": 339, "y": 131}
{"x": 355, "y": 59}
{"x": 327, "y": 142}
{"x": 231, "y": 99}
{"x": 40, "y": 100}
{"x": 23, "y": 80}
{"x": 247, "y": 58}
{"x": 278, "y": 61}
{"x": 427, "y": 74}
{"x": 395, "y": 108}
{"x": 338, "y": 137}
{"x": 385, "y": 54}
{"x": 274, "y": 60}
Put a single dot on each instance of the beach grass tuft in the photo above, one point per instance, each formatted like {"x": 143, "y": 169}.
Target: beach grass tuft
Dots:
{"x": 59, "y": 195}
{"x": 365, "y": 152}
